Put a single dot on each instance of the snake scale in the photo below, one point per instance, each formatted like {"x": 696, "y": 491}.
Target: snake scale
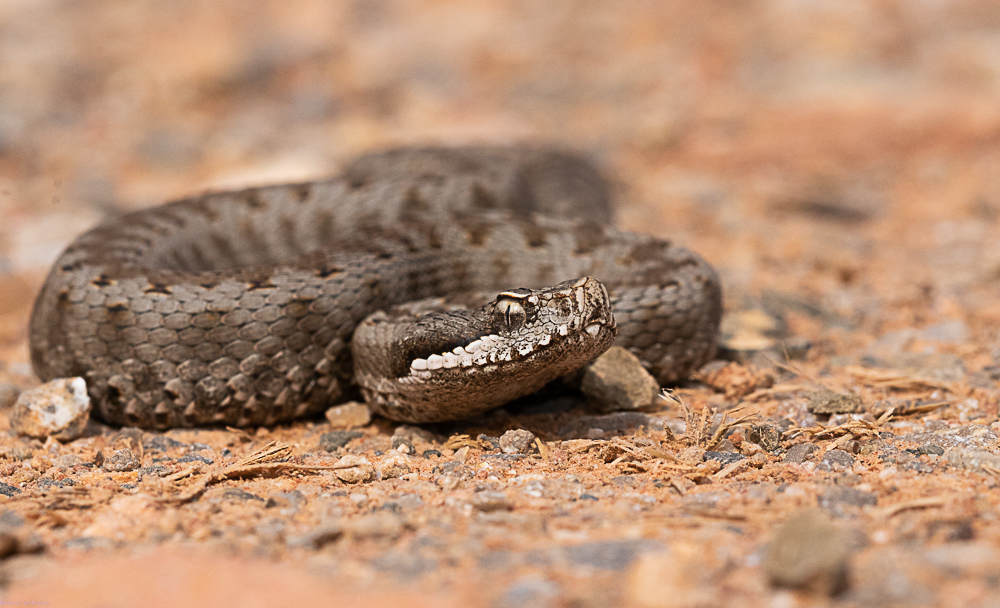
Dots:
{"x": 240, "y": 307}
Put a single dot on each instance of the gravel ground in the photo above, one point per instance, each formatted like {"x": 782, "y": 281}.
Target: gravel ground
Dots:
{"x": 837, "y": 162}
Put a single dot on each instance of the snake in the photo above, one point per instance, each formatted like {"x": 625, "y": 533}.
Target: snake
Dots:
{"x": 434, "y": 282}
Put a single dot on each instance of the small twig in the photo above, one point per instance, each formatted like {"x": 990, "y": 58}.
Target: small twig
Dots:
{"x": 261, "y": 462}
{"x": 724, "y": 426}
{"x": 854, "y": 427}
{"x": 896, "y": 380}
{"x": 779, "y": 389}
{"x": 730, "y": 468}
{"x": 836, "y": 443}
{"x": 919, "y": 503}
{"x": 907, "y": 410}
{"x": 244, "y": 436}
{"x": 543, "y": 450}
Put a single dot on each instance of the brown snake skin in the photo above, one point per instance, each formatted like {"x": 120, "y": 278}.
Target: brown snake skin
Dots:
{"x": 239, "y": 307}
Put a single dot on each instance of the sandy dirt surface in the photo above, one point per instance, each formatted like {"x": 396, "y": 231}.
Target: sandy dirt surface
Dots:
{"x": 837, "y": 161}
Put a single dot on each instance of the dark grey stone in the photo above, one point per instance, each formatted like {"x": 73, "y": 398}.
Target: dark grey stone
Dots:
{"x": 409, "y": 502}
{"x": 493, "y": 442}
{"x": 765, "y": 435}
{"x": 837, "y": 496}
{"x": 611, "y": 423}
{"x": 157, "y": 469}
{"x": 969, "y": 436}
{"x": 499, "y": 560}
{"x": 285, "y": 500}
{"x": 530, "y": 592}
{"x": 453, "y": 467}
{"x": 335, "y": 440}
{"x": 835, "y": 460}
{"x": 238, "y": 494}
{"x": 972, "y": 459}
{"x": 318, "y": 537}
{"x": 195, "y": 458}
{"x": 120, "y": 461}
{"x": 8, "y": 394}
{"x": 8, "y": 490}
{"x": 724, "y": 457}
{"x": 798, "y": 454}
{"x": 609, "y": 555}
{"x": 45, "y": 483}
{"x": 829, "y": 402}
{"x": 11, "y": 519}
{"x": 404, "y": 565}
{"x": 87, "y": 543}
{"x": 625, "y": 480}
{"x": 160, "y": 443}
{"x": 489, "y": 502}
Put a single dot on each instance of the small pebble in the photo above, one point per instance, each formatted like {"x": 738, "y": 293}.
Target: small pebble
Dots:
{"x": 59, "y": 409}
{"x": 360, "y": 471}
{"x": 488, "y": 502}
{"x": 618, "y": 381}
{"x": 835, "y": 460}
{"x": 972, "y": 459}
{"x": 348, "y": 415}
{"x": 381, "y": 525}
{"x": 765, "y": 435}
{"x": 394, "y": 465}
{"x": 829, "y": 402}
{"x": 319, "y": 537}
{"x": 120, "y": 461}
{"x": 8, "y": 394}
{"x": 724, "y": 457}
{"x": 285, "y": 500}
{"x": 517, "y": 442}
{"x": 836, "y": 496}
{"x": 809, "y": 552}
{"x": 335, "y": 440}
{"x": 797, "y": 454}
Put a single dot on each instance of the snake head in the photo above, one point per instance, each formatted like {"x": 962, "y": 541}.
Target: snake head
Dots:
{"x": 537, "y": 316}
{"x": 476, "y": 359}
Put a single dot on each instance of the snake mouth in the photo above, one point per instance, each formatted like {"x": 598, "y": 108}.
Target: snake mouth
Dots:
{"x": 443, "y": 360}
{"x": 571, "y": 320}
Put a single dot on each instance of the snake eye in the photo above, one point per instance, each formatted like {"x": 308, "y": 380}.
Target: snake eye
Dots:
{"x": 509, "y": 314}
{"x": 563, "y": 306}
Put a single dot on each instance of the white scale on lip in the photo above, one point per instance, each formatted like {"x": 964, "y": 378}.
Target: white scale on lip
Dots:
{"x": 477, "y": 352}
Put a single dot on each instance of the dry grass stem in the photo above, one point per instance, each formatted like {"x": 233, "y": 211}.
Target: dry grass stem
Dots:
{"x": 700, "y": 423}
{"x": 909, "y": 410}
{"x": 893, "y": 380}
{"x": 919, "y": 503}
{"x": 263, "y": 462}
{"x": 856, "y": 428}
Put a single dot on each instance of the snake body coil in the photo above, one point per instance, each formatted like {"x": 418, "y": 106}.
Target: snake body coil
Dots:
{"x": 240, "y": 307}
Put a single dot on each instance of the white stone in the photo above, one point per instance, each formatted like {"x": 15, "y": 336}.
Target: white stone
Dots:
{"x": 60, "y": 409}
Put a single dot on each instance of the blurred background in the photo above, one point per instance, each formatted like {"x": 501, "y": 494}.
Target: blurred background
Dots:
{"x": 839, "y": 159}
{"x": 844, "y": 149}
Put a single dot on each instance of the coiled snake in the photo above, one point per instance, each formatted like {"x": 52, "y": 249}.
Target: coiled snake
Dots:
{"x": 240, "y": 307}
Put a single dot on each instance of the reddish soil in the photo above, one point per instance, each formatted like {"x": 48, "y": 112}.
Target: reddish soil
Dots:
{"x": 836, "y": 161}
